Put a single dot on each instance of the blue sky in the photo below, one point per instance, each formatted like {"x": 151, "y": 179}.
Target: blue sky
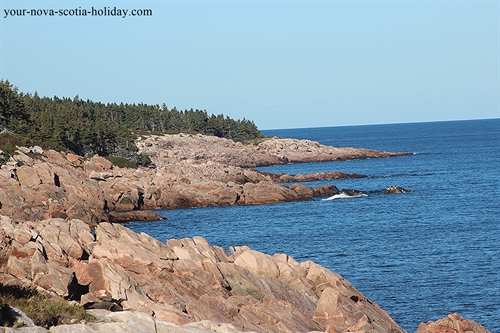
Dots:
{"x": 283, "y": 64}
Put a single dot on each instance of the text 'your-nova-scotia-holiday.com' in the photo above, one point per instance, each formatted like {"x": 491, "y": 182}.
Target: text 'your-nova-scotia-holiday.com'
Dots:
{"x": 105, "y": 11}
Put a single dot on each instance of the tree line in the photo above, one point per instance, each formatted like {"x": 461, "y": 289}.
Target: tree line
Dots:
{"x": 86, "y": 127}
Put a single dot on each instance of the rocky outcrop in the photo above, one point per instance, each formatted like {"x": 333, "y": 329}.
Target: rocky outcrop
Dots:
{"x": 52, "y": 186}
{"x": 451, "y": 324}
{"x": 107, "y": 321}
{"x": 48, "y": 186}
{"x": 171, "y": 149}
{"x": 128, "y": 322}
{"x": 190, "y": 171}
{"x": 351, "y": 192}
{"x": 183, "y": 282}
{"x": 200, "y": 148}
{"x": 297, "y": 151}
{"x": 134, "y": 215}
{"x": 285, "y": 178}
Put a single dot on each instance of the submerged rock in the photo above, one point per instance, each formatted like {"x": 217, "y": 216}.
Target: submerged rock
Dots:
{"x": 396, "y": 190}
{"x": 351, "y": 192}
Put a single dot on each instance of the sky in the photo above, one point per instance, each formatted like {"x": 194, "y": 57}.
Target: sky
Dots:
{"x": 282, "y": 64}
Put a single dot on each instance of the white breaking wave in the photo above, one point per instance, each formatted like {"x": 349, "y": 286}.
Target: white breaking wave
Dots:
{"x": 343, "y": 196}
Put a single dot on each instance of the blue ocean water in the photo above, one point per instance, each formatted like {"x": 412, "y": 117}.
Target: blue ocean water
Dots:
{"x": 420, "y": 255}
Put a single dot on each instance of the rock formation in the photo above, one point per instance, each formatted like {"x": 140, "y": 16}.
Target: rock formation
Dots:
{"x": 295, "y": 151}
{"x": 186, "y": 285}
{"x": 351, "y": 193}
{"x": 183, "y": 281}
{"x": 199, "y": 148}
{"x": 451, "y": 324}
{"x": 190, "y": 171}
{"x": 49, "y": 186}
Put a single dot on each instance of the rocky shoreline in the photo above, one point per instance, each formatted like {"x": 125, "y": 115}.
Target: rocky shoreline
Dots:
{"x": 186, "y": 285}
{"x": 56, "y": 236}
{"x": 189, "y": 171}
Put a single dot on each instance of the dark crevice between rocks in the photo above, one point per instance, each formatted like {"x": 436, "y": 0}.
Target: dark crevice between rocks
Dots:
{"x": 140, "y": 200}
{"x": 76, "y": 290}
{"x": 110, "y": 306}
{"x": 85, "y": 256}
{"x": 354, "y": 298}
{"x": 57, "y": 182}
{"x": 44, "y": 253}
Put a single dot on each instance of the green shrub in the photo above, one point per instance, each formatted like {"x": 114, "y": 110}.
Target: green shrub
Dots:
{"x": 122, "y": 162}
{"x": 132, "y": 162}
{"x": 144, "y": 160}
{"x": 8, "y": 143}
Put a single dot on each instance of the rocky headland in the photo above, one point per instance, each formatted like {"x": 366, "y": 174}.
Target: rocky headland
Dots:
{"x": 188, "y": 171}
{"x": 56, "y": 236}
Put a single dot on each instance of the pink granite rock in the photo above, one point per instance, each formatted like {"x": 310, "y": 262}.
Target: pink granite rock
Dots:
{"x": 453, "y": 323}
{"x": 190, "y": 282}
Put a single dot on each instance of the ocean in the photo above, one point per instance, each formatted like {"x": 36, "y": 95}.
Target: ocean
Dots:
{"x": 419, "y": 255}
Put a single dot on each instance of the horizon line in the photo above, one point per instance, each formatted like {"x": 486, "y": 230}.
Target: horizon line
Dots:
{"x": 379, "y": 124}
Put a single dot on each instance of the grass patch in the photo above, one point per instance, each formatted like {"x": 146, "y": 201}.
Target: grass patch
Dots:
{"x": 44, "y": 310}
{"x": 254, "y": 141}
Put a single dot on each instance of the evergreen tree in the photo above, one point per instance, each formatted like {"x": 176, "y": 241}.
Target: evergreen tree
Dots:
{"x": 13, "y": 114}
{"x": 87, "y": 127}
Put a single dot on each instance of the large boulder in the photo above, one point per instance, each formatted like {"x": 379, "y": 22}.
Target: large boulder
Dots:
{"x": 97, "y": 164}
{"x": 266, "y": 192}
{"x": 258, "y": 263}
{"x": 27, "y": 176}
